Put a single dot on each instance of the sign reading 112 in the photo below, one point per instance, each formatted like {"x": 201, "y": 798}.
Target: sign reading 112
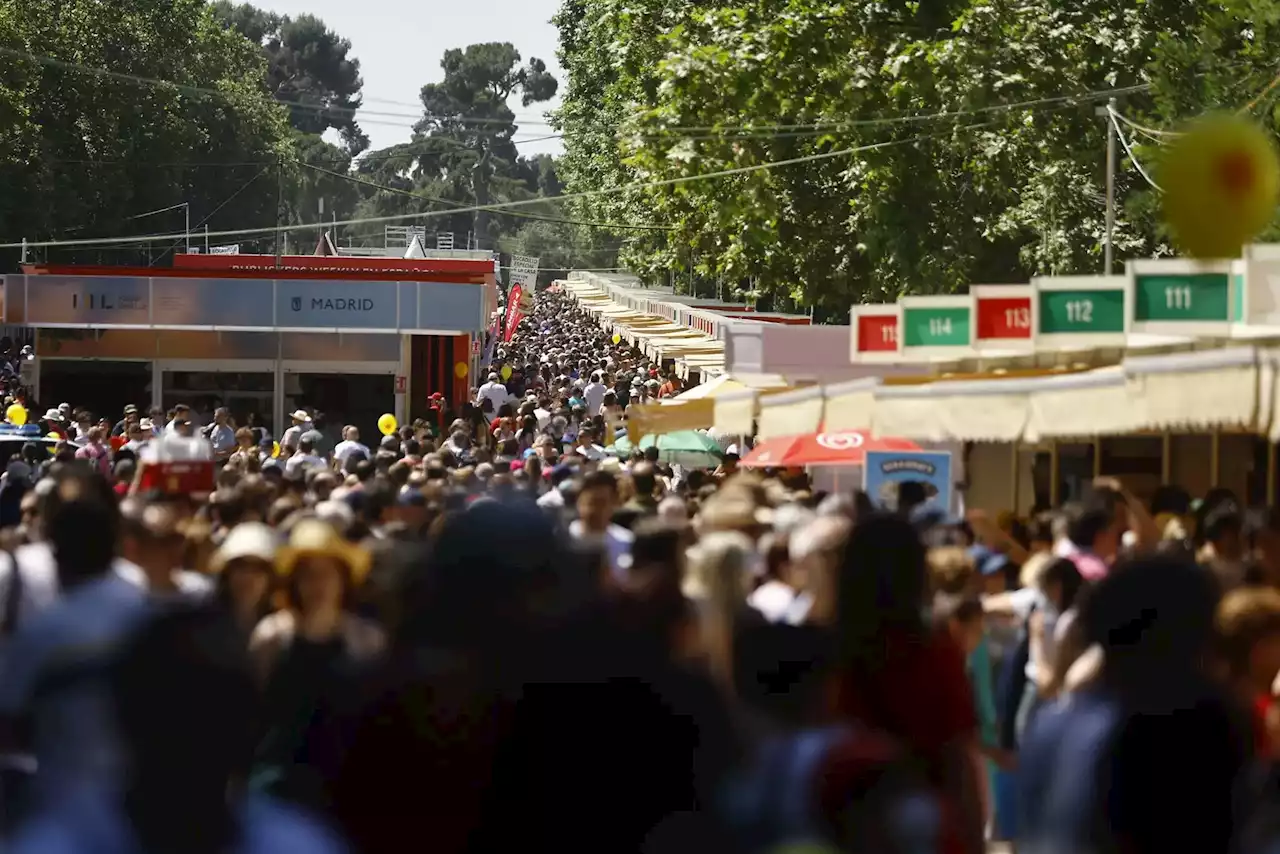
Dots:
{"x": 1080, "y": 311}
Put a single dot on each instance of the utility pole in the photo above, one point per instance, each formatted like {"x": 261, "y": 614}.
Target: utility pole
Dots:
{"x": 279, "y": 205}
{"x": 186, "y": 229}
{"x": 1108, "y": 249}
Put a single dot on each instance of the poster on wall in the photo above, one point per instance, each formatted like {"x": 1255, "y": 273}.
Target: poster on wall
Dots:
{"x": 884, "y": 471}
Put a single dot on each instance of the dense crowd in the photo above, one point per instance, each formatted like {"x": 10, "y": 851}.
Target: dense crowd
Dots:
{"x": 492, "y": 632}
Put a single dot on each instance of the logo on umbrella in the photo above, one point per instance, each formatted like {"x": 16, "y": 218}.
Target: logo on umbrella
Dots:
{"x": 840, "y": 441}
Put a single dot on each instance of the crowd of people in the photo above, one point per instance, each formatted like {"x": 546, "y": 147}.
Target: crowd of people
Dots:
{"x": 491, "y": 632}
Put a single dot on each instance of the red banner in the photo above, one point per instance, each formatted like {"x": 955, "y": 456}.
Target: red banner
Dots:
{"x": 514, "y": 315}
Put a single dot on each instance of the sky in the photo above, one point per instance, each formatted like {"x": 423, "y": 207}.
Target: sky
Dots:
{"x": 400, "y": 42}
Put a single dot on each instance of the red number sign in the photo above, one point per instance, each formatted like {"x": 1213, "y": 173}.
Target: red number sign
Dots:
{"x": 878, "y": 333}
{"x": 1004, "y": 317}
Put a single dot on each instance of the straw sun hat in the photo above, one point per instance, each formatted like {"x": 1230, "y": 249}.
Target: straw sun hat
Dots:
{"x": 314, "y": 538}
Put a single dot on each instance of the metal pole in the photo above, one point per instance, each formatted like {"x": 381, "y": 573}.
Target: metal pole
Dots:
{"x": 24, "y": 250}
{"x": 1109, "y": 248}
{"x": 1215, "y": 457}
{"x": 279, "y": 205}
{"x": 186, "y": 231}
{"x": 206, "y": 238}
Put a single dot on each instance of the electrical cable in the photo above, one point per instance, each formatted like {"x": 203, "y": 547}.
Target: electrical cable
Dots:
{"x": 411, "y": 194}
{"x": 202, "y": 90}
{"x": 1129, "y": 151}
{"x": 640, "y": 185}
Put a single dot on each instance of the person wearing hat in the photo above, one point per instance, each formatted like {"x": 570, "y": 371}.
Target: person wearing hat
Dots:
{"x": 121, "y": 427}
{"x": 55, "y": 423}
{"x": 301, "y": 423}
{"x": 303, "y": 653}
{"x": 244, "y": 565}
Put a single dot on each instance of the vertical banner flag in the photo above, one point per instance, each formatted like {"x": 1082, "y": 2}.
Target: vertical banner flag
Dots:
{"x": 524, "y": 280}
{"x": 884, "y": 471}
{"x": 513, "y": 316}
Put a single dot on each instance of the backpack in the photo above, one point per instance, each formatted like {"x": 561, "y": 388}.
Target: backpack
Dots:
{"x": 885, "y": 807}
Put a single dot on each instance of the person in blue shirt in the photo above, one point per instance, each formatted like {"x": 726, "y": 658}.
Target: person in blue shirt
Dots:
{"x": 185, "y": 702}
{"x": 1146, "y": 757}
{"x": 52, "y": 674}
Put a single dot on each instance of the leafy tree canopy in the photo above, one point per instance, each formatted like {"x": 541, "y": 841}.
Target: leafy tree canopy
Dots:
{"x": 82, "y": 150}
{"x": 930, "y": 145}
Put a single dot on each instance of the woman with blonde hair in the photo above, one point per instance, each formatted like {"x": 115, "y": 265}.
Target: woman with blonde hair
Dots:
{"x": 721, "y": 572}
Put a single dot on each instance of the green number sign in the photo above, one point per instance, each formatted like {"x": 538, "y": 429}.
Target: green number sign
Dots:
{"x": 935, "y": 327}
{"x": 1084, "y": 311}
{"x": 1176, "y": 297}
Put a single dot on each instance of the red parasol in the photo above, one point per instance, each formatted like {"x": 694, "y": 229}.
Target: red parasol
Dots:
{"x": 822, "y": 449}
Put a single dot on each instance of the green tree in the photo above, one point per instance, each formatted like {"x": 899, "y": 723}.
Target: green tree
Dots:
{"x": 309, "y": 68}
{"x": 90, "y": 140}
{"x": 911, "y": 167}
{"x": 467, "y": 128}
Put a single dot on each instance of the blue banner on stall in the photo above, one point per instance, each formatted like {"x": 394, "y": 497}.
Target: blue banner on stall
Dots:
{"x": 883, "y": 471}
{"x": 320, "y": 305}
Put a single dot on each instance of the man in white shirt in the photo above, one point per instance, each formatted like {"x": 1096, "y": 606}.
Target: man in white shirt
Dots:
{"x": 301, "y": 424}
{"x": 349, "y": 445}
{"x": 594, "y": 393}
{"x": 597, "y": 499}
{"x": 304, "y": 459}
{"x": 494, "y": 391}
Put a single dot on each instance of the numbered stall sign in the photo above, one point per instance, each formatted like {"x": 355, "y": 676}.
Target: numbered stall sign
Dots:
{"x": 936, "y": 326}
{"x": 873, "y": 333}
{"x": 1079, "y": 312}
{"x": 1003, "y": 315}
{"x": 1176, "y": 296}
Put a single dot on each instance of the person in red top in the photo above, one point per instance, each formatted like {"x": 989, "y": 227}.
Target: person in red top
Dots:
{"x": 1248, "y": 625}
{"x": 893, "y": 673}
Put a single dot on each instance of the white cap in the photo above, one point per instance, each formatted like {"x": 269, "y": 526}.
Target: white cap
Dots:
{"x": 301, "y": 415}
{"x": 246, "y": 540}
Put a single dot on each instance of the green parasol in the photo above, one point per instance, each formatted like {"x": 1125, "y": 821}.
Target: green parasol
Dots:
{"x": 688, "y": 448}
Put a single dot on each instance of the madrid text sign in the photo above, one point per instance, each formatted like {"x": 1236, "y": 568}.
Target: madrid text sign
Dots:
{"x": 292, "y": 305}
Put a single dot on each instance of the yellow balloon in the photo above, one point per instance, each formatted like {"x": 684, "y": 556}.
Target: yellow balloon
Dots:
{"x": 52, "y": 436}
{"x": 16, "y": 414}
{"x": 506, "y": 372}
{"x": 1220, "y": 180}
{"x": 616, "y": 338}
{"x": 461, "y": 370}
{"x": 387, "y": 424}
{"x": 275, "y": 449}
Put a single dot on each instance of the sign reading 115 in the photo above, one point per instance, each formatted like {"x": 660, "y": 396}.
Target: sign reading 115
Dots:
{"x": 1178, "y": 297}
{"x": 889, "y": 334}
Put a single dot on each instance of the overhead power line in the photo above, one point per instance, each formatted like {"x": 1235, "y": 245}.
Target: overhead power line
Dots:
{"x": 492, "y": 208}
{"x": 641, "y": 185}
{"x": 1129, "y": 149}
{"x": 202, "y": 90}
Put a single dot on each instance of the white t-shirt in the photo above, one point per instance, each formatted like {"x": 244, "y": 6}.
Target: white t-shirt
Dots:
{"x": 495, "y": 392}
{"x": 346, "y": 448}
{"x": 773, "y": 599}
{"x": 298, "y": 461}
{"x": 594, "y": 394}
